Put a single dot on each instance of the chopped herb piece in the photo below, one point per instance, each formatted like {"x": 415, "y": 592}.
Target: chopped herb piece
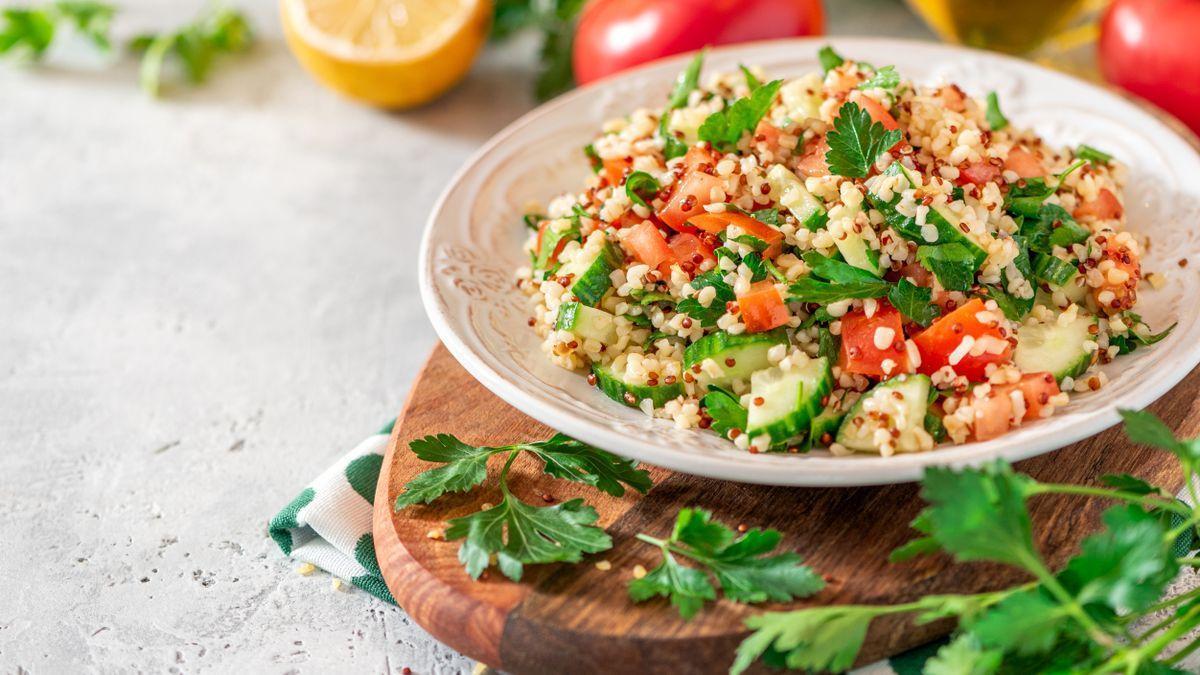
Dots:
{"x": 640, "y": 186}
{"x": 751, "y": 81}
{"x": 808, "y": 289}
{"x": 952, "y": 264}
{"x": 725, "y": 410}
{"x": 829, "y": 59}
{"x": 1092, "y": 155}
{"x": 593, "y": 157}
{"x": 726, "y": 127}
{"x": 914, "y": 302}
{"x": 884, "y": 78}
{"x": 836, "y": 270}
{"x": 707, "y": 316}
{"x": 856, "y": 141}
{"x": 995, "y": 119}
{"x": 532, "y": 220}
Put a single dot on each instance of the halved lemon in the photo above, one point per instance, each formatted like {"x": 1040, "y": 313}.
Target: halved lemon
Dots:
{"x": 389, "y": 53}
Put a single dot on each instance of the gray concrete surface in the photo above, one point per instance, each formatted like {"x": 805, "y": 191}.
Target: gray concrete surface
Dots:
{"x": 203, "y": 301}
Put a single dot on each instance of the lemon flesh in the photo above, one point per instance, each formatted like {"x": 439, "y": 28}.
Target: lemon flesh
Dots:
{"x": 389, "y": 53}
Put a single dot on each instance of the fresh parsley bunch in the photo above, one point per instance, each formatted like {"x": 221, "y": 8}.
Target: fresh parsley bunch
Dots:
{"x": 1080, "y": 619}
{"x": 515, "y": 532}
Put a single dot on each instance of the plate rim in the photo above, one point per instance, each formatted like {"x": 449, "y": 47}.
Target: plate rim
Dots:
{"x": 832, "y": 471}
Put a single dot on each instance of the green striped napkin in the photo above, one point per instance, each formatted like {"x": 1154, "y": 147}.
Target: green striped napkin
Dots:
{"x": 329, "y": 525}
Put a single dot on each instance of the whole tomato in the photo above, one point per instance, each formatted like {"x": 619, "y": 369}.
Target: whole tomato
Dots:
{"x": 616, "y": 34}
{"x": 1148, "y": 47}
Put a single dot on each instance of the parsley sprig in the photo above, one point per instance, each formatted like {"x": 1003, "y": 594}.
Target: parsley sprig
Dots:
{"x": 515, "y": 532}
{"x": 1079, "y": 619}
{"x": 856, "y": 141}
{"x": 195, "y": 46}
{"x": 725, "y": 128}
{"x": 27, "y": 32}
{"x": 743, "y": 566}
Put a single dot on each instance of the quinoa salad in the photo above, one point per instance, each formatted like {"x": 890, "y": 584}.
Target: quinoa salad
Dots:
{"x": 844, "y": 260}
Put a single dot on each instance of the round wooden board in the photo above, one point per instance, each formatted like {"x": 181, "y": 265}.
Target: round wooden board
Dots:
{"x": 578, "y": 618}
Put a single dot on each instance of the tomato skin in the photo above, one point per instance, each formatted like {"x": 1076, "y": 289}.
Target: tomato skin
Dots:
{"x": 762, "y": 308}
{"x": 1149, "y": 49}
{"x": 695, "y": 188}
{"x": 876, "y": 110}
{"x": 812, "y": 162}
{"x": 647, "y": 244}
{"x": 1105, "y": 206}
{"x": 613, "y": 35}
{"x": 979, "y": 173}
{"x": 1024, "y": 163}
{"x": 687, "y": 249}
{"x": 615, "y": 169}
{"x": 860, "y": 355}
{"x": 697, "y": 157}
{"x": 715, "y": 223}
{"x": 939, "y": 341}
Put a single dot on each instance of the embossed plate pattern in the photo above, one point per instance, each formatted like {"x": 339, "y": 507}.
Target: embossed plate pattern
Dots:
{"x": 472, "y": 246}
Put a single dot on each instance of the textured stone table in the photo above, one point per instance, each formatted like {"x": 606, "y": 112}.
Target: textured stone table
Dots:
{"x": 204, "y": 301}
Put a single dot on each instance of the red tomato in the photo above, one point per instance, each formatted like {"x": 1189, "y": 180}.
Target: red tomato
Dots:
{"x": 715, "y": 223}
{"x": 617, "y": 34}
{"x": 687, "y": 249}
{"x": 994, "y": 413}
{"x": 1037, "y": 388}
{"x": 1105, "y": 206}
{"x": 979, "y": 173}
{"x": 768, "y": 134}
{"x": 689, "y": 198}
{"x": 647, "y": 244}
{"x": 697, "y": 157}
{"x": 938, "y": 342}
{"x": 614, "y": 169}
{"x": 1148, "y": 47}
{"x": 762, "y": 307}
{"x": 859, "y": 351}
{"x": 1024, "y": 163}
{"x": 876, "y": 110}
{"x": 953, "y": 98}
{"x": 812, "y": 162}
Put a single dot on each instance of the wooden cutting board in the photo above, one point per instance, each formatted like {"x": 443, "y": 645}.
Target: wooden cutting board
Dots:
{"x": 578, "y": 619}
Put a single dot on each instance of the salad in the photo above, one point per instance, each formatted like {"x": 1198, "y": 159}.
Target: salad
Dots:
{"x": 843, "y": 260}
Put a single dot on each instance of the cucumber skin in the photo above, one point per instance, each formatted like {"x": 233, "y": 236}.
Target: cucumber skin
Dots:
{"x": 828, "y": 422}
{"x": 594, "y": 282}
{"x": 615, "y": 389}
{"x": 908, "y": 228}
{"x": 1076, "y": 368}
{"x": 570, "y": 314}
{"x": 713, "y": 344}
{"x": 844, "y": 429}
{"x": 798, "y": 422}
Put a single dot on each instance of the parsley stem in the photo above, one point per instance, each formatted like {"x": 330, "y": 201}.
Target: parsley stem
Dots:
{"x": 1190, "y": 561}
{"x": 1182, "y": 597}
{"x": 1035, "y": 565}
{"x": 1183, "y": 653}
{"x": 512, "y": 456}
{"x": 1149, "y": 501}
{"x": 653, "y": 541}
{"x": 1134, "y": 657}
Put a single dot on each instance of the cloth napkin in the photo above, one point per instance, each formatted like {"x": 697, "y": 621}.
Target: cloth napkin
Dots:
{"x": 329, "y": 526}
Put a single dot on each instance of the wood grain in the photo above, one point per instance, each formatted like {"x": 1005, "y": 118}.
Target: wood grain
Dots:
{"x": 578, "y": 619}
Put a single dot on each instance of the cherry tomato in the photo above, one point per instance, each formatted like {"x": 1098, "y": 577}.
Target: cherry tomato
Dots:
{"x": 617, "y": 34}
{"x": 861, "y": 354}
{"x": 762, "y": 307}
{"x": 715, "y": 223}
{"x": 943, "y": 339}
{"x": 1148, "y": 47}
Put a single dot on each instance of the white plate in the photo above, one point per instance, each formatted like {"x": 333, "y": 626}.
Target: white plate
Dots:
{"x": 472, "y": 246}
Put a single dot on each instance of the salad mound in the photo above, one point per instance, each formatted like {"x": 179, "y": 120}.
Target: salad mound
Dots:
{"x": 843, "y": 260}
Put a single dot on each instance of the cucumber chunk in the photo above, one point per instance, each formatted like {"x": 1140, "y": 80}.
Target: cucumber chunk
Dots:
{"x": 790, "y": 399}
{"x": 592, "y": 273}
{"x": 747, "y": 352}
{"x": 796, "y": 198}
{"x": 550, "y": 241}
{"x": 904, "y": 414}
{"x": 1058, "y": 349}
{"x": 587, "y": 322}
{"x": 940, "y": 217}
{"x": 631, "y": 394}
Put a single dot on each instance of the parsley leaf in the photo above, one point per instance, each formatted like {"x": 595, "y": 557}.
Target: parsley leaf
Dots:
{"x": 725, "y": 410}
{"x": 1145, "y": 428}
{"x": 685, "y": 83}
{"x": 952, "y": 264}
{"x": 742, "y": 566}
{"x": 1125, "y": 567}
{"x": 1025, "y": 623}
{"x": 836, "y": 270}
{"x": 29, "y": 31}
{"x": 593, "y": 158}
{"x": 465, "y": 467}
{"x": 884, "y": 78}
{"x": 725, "y": 128}
{"x": 751, "y": 81}
{"x": 816, "y": 640}
{"x": 963, "y": 656}
{"x": 1131, "y": 484}
{"x": 1026, "y": 200}
{"x": 707, "y": 316}
{"x": 1092, "y": 154}
{"x": 856, "y": 141}
{"x": 995, "y": 119}
{"x": 639, "y": 186}
{"x": 567, "y": 458}
{"x": 1013, "y": 307}
{"x": 980, "y": 514}
{"x": 808, "y": 289}
{"x": 828, "y": 344}
{"x": 520, "y": 534}
{"x": 914, "y": 302}
{"x": 757, "y": 266}
{"x": 829, "y": 59}
{"x": 195, "y": 45}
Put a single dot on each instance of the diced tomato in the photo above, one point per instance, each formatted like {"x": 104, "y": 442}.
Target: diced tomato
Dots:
{"x": 1024, "y": 163}
{"x": 689, "y": 198}
{"x": 697, "y": 157}
{"x": 993, "y": 414}
{"x": 841, "y": 83}
{"x": 715, "y": 223}
{"x": 614, "y": 169}
{"x": 1105, "y": 206}
{"x": 859, "y": 351}
{"x": 542, "y": 233}
{"x": 876, "y": 110}
{"x": 768, "y": 134}
{"x": 953, "y": 98}
{"x": 627, "y": 219}
{"x": 647, "y": 244}
{"x": 942, "y": 339}
{"x": 762, "y": 307}
{"x": 978, "y": 173}
{"x": 687, "y": 249}
{"x": 812, "y": 162}
{"x": 1124, "y": 292}
{"x": 1038, "y": 389}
